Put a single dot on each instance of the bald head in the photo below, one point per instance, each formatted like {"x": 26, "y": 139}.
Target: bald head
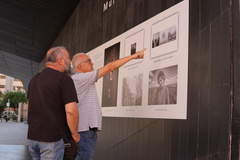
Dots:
{"x": 77, "y": 59}
{"x": 58, "y": 59}
{"x": 54, "y": 53}
{"x": 82, "y": 63}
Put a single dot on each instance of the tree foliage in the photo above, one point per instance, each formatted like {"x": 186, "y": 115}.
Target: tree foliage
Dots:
{"x": 14, "y": 97}
{"x": 1, "y": 95}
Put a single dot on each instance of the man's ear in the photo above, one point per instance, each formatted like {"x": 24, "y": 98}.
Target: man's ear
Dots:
{"x": 79, "y": 66}
{"x": 60, "y": 61}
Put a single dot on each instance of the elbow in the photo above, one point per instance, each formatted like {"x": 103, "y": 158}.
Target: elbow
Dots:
{"x": 72, "y": 114}
{"x": 111, "y": 68}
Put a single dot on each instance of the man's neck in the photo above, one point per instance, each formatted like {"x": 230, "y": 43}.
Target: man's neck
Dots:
{"x": 78, "y": 71}
{"x": 55, "y": 67}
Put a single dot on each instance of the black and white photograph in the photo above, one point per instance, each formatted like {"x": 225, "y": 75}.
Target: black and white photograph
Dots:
{"x": 133, "y": 44}
{"x": 132, "y": 90}
{"x": 110, "y": 81}
{"x": 172, "y": 33}
{"x": 133, "y": 48}
{"x": 155, "y": 40}
{"x": 163, "y": 36}
{"x": 165, "y": 32}
{"x": 163, "y": 86}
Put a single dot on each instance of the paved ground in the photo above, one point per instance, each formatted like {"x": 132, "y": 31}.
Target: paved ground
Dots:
{"x": 13, "y": 141}
{"x": 13, "y": 133}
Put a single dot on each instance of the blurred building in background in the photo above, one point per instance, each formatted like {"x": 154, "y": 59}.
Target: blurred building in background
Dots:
{"x": 8, "y": 84}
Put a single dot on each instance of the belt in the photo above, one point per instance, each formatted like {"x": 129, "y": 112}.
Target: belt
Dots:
{"x": 93, "y": 129}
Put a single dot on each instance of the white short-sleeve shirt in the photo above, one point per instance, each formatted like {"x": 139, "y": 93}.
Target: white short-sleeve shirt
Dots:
{"x": 90, "y": 114}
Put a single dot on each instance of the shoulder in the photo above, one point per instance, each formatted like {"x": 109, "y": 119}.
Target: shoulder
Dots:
{"x": 57, "y": 76}
{"x": 66, "y": 77}
{"x": 165, "y": 88}
{"x": 34, "y": 78}
{"x": 85, "y": 75}
{"x": 85, "y": 78}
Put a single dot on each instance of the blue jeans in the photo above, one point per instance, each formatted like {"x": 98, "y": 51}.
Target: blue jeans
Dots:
{"x": 87, "y": 145}
{"x": 46, "y": 150}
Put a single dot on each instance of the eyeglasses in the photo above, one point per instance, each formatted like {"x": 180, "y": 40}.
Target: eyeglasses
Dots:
{"x": 88, "y": 60}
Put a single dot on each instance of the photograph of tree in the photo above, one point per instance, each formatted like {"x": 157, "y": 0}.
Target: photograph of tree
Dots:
{"x": 132, "y": 90}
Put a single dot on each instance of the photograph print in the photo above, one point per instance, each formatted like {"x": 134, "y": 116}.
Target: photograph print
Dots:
{"x": 164, "y": 36}
{"x": 162, "y": 89}
{"x": 110, "y": 81}
{"x": 133, "y": 48}
{"x": 155, "y": 40}
{"x": 172, "y": 33}
{"x": 133, "y": 44}
{"x": 132, "y": 90}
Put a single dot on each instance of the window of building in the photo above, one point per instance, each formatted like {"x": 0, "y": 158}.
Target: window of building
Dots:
{"x": 2, "y": 77}
{"x": 16, "y": 79}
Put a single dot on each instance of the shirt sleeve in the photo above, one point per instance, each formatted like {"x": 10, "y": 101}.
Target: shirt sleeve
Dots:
{"x": 87, "y": 78}
{"x": 69, "y": 93}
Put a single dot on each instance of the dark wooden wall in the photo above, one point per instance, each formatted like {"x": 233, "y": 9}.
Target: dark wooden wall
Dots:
{"x": 205, "y": 135}
{"x": 235, "y": 59}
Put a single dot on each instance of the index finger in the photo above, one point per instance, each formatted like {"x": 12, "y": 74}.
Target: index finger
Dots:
{"x": 143, "y": 50}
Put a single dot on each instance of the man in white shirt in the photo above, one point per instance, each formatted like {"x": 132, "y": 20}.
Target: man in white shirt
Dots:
{"x": 89, "y": 107}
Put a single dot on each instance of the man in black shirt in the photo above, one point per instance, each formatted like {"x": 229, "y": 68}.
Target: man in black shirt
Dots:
{"x": 59, "y": 93}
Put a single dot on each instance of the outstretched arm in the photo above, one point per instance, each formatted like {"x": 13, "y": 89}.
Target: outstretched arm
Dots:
{"x": 111, "y": 66}
{"x": 72, "y": 119}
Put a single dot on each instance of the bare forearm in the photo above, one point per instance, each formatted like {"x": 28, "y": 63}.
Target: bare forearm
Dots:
{"x": 111, "y": 66}
{"x": 72, "y": 120}
{"x": 118, "y": 63}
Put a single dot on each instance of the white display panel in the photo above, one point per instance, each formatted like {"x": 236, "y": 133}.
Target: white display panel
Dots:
{"x": 153, "y": 87}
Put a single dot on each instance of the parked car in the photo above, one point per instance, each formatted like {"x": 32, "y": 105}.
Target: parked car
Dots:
{"x": 10, "y": 114}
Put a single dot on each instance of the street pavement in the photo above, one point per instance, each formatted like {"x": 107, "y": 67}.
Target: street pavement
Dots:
{"x": 13, "y": 141}
{"x": 13, "y": 133}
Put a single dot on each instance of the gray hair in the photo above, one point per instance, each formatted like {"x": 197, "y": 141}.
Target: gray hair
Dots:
{"x": 54, "y": 53}
{"x": 76, "y": 60}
